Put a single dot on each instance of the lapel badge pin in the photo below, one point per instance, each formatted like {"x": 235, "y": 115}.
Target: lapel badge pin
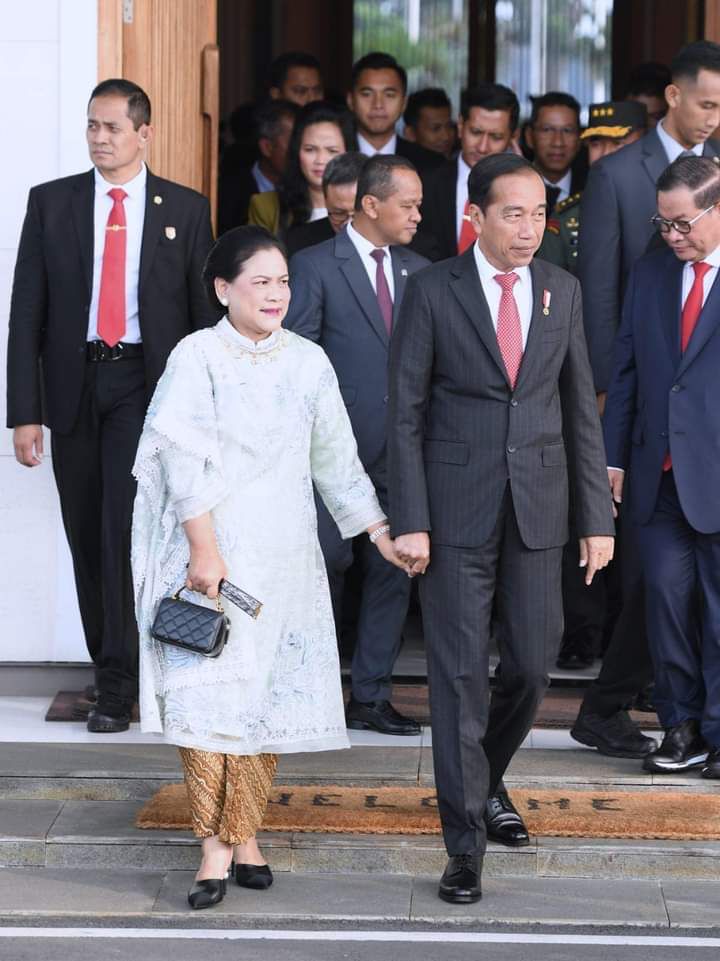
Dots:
{"x": 157, "y": 199}
{"x": 403, "y": 272}
{"x": 546, "y": 302}
{"x": 170, "y": 233}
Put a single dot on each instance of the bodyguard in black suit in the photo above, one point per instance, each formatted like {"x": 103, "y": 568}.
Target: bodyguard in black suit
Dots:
{"x": 487, "y": 123}
{"x": 348, "y": 303}
{"x": 377, "y": 98}
{"x": 127, "y": 267}
{"x": 492, "y": 421}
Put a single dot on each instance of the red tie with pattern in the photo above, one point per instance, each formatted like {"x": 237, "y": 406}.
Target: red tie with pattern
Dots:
{"x": 467, "y": 232}
{"x": 688, "y": 321}
{"x": 509, "y": 329}
{"x": 382, "y": 290}
{"x": 111, "y": 306}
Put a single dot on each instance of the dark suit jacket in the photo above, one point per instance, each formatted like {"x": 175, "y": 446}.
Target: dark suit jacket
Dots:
{"x": 660, "y": 398}
{"x": 457, "y": 432}
{"x": 53, "y": 284}
{"x": 235, "y": 188}
{"x": 307, "y": 235}
{"x": 333, "y": 303}
{"x": 438, "y": 209}
{"x": 617, "y": 204}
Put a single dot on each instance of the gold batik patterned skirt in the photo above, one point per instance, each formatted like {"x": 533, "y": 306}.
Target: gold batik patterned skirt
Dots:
{"x": 228, "y": 793}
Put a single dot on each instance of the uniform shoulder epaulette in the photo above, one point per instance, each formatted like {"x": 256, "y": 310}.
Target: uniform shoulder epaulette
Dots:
{"x": 568, "y": 202}
{"x": 553, "y": 226}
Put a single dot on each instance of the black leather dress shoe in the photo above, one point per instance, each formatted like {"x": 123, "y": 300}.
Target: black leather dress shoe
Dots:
{"x": 614, "y": 736}
{"x": 256, "y": 876}
{"x": 682, "y": 748}
{"x": 102, "y": 723}
{"x": 460, "y": 883}
{"x": 575, "y": 657}
{"x": 504, "y": 824}
{"x": 378, "y": 716}
{"x": 206, "y": 893}
{"x": 712, "y": 765}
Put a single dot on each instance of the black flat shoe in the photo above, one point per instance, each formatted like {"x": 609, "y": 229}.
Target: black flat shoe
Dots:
{"x": 682, "y": 749}
{"x": 206, "y": 893}
{"x": 712, "y": 765}
{"x": 614, "y": 736}
{"x": 460, "y": 883}
{"x": 257, "y": 876}
{"x": 378, "y": 716}
{"x": 504, "y": 824}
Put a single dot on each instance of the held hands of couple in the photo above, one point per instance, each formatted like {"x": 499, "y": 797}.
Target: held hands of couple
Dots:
{"x": 414, "y": 552}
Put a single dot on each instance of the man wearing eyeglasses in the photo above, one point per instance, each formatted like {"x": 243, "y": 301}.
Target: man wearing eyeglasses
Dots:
{"x": 554, "y": 137}
{"x": 662, "y": 422}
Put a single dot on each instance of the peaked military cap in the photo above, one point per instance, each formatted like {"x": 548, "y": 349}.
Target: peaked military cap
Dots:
{"x": 615, "y": 119}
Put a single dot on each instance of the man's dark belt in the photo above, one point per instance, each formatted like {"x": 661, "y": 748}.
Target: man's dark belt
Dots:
{"x": 99, "y": 350}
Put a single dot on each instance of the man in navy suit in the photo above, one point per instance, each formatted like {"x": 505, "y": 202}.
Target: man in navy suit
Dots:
{"x": 346, "y": 295}
{"x": 662, "y": 422}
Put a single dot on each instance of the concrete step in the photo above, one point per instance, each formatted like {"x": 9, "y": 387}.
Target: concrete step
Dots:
{"x": 118, "y": 898}
{"x": 101, "y": 835}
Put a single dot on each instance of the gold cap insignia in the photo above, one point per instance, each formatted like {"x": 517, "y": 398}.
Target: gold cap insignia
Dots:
{"x": 170, "y": 233}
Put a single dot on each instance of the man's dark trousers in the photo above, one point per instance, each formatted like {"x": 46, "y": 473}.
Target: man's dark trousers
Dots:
{"x": 92, "y": 466}
{"x": 680, "y": 564}
{"x": 472, "y": 746}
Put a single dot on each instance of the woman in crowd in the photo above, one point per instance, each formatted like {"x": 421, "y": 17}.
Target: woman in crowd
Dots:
{"x": 246, "y": 417}
{"x": 321, "y": 132}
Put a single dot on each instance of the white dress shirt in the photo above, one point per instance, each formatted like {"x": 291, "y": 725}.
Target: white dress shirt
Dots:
{"x": 264, "y": 185}
{"x": 563, "y": 186}
{"x": 365, "y": 248}
{"x": 370, "y": 151}
{"x": 134, "y": 205}
{"x": 522, "y": 291}
{"x": 672, "y": 148}
{"x": 461, "y": 194}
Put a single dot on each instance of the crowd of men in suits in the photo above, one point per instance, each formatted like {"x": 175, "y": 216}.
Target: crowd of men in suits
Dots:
{"x": 468, "y": 279}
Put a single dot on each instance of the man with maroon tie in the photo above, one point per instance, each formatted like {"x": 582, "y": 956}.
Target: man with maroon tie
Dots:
{"x": 107, "y": 281}
{"x": 661, "y": 423}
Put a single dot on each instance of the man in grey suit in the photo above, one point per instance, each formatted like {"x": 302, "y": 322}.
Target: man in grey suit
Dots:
{"x": 492, "y": 420}
{"x": 620, "y": 198}
{"x": 346, "y": 294}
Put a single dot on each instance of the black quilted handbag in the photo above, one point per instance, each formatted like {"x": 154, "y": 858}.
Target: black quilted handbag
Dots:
{"x": 201, "y": 630}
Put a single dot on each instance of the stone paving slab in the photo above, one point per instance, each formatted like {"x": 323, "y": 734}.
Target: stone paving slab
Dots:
{"x": 359, "y": 765}
{"x": 528, "y": 900}
{"x": 23, "y": 829}
{"x": 297, "y": 898}
{"x": 693, "y": 903}
{"x": 631, "y": 858}
{"x": 48, "y": 891}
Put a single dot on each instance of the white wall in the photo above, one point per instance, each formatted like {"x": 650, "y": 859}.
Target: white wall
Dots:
{"x": 48, "y": 66}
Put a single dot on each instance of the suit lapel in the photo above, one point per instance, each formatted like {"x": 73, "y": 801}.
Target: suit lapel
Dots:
{"x": 83, "y": 205}
{"x": 400, "y": 275}
{"x": 654, "y": 157}
{"x": 465, "y": 284}
{"x": 449, "y": 207}
{"x": 707, "y": 325}
{"x": 712, "y": 149}
{"x": 359, "y": 283}
{"x": 155, "y": 214}
{"x": 669, "y": 295}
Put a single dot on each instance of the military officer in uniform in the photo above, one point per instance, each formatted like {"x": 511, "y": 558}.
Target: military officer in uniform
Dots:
{"x": 611, "y": 126}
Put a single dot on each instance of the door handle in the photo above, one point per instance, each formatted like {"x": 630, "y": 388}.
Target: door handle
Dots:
{"x": 210, "y": 100}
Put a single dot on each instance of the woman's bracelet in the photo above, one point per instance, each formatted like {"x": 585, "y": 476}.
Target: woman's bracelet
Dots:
{"x": 385, "y": 529}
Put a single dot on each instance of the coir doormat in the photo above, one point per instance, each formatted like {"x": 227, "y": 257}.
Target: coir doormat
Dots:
{"x": 391, "y": 810}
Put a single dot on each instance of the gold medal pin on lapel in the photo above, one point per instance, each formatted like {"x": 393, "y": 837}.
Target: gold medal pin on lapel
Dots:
{"x": 170, "y": 233}
{"x": 546, "y": 302}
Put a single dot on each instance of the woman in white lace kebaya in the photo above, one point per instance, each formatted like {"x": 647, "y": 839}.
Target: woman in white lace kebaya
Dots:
{"x": 245, "y": 418}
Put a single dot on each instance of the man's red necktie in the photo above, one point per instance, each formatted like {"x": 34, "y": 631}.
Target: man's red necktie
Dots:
{"x": 509, "y": 329}
{"x": 382, "y": 290}
{"x": 111, "y": 306}
{"x": 467, "y": 231}
{"x": 688, "y": 320}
